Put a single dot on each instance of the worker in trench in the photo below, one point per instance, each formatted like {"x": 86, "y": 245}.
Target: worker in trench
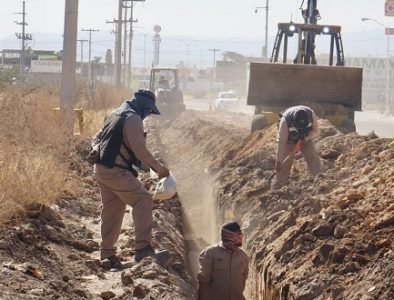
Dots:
{"x": 224, "y": 267}
{"x": 118, "y": 149}
{"x": 297, "y": 128}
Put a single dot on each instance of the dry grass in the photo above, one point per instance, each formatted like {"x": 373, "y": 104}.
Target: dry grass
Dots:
{"x": 33, "y": 151}
{"x": 26, "y": 178}
{"x": 31, "y": 169}
{"x": 95, "y": 108}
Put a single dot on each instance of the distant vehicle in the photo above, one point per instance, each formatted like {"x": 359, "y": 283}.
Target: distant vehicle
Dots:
{"x": 226, "y": 100}
{"x": 169, "y": 97}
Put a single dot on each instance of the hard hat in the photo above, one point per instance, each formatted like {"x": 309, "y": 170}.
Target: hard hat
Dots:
{"x": 165, "y": 188}
{"x": 301, "y": 119}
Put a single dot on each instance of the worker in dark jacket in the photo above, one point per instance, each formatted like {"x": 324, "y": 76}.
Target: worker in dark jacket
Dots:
{"x": 297, "y": 124}
{"x": 117, "y": 151}
{"x": 224, "y": 267}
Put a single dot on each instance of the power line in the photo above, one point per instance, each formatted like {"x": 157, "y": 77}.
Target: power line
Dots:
{"x": 23, "y": 36}
{"x": 214, "y": 56}
{"x": 82, "y": 41}
{"x": 214, "y": 50}
{"x": 90, "y": 30}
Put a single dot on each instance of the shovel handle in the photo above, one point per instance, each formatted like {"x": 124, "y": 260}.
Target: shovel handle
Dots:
{"x": 271, "y": 176}
{"x": 296, "y": 148}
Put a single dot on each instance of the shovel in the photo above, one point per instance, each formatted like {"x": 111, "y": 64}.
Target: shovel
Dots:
{"x": 296, "y": 148}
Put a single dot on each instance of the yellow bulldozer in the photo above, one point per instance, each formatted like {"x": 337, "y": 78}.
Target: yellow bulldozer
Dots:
{"x": 332, "y": 91}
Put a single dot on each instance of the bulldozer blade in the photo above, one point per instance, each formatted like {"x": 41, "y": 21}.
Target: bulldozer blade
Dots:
{"x": 278, "y": 86}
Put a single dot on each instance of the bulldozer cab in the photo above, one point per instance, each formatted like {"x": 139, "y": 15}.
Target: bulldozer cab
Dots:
{"x": 163, "y": 78}
{"x": 305, "y": 36}
{"x": 295, "y": 76}
{"x": 332, "y": 90}
{"x": 169, "y": 98}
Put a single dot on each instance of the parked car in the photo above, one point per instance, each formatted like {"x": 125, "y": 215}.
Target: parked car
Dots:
{"x": 226, "y": 100}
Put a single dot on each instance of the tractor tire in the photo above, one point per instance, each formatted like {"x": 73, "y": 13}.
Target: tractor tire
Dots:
{"x": 258, "y": 123}
{"x": 348, "y": 126}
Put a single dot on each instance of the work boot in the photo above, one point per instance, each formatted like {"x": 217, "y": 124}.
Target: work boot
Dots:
{"x": 163, "y": 257}
{"x": 144, "y": 252}
{"x": 111, "y": 263}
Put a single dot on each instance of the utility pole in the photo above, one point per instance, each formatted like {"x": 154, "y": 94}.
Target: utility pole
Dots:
{"x": 68, "y": 85}
{"x": 118, "y": 51}
{"x": 131, "y": 21}
{"x": 24, "y": 37}
{"x": 118, "y": 48}
{"x": 214, "y": 50}
{"x": 265, "y": 47}
{"x": 118, "y": 44}
{"x": 125, "y": 20}
{"x": 82, "y": 41}
{"x": 131, "y": 40}
{"x": 214, "y": 56}
{"x": 113, "y": 70}
{"x": 90, "y": 30}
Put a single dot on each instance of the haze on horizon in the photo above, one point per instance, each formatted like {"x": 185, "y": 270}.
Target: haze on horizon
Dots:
{"x": 204, "y": 18}
{"x": 224, "y": 20}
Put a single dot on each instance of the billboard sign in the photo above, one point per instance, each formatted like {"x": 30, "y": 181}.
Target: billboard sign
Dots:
{"x": 46, "y": 66}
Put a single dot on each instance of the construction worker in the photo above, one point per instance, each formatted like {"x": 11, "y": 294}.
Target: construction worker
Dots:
{"x": 224, "y": 267}
{"x": 163, "y": 83}
{"x": 117, "y": 151}
{"x": 297, "y": 126}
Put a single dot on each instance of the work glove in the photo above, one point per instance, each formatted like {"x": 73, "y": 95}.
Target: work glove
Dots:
{"x": 163, "y": 172}
{"x": 93, "y": 156}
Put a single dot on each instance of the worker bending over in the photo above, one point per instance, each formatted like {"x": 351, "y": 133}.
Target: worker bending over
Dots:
{"x": 298, "y": 124}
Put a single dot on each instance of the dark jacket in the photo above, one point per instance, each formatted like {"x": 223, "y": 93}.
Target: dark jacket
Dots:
{"x": 110, "y": 139}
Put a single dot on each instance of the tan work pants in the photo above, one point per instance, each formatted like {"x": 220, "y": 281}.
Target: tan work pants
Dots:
{"x": 311, "y": 157}
{"x": 118, "y": 188}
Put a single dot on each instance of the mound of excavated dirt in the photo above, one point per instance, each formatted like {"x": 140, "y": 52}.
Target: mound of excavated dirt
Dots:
{"x": 52, "y": 253}
{"x": 324, "y": 237}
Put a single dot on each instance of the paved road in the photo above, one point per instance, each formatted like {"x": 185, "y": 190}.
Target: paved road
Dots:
{"x": 366, "y": 121}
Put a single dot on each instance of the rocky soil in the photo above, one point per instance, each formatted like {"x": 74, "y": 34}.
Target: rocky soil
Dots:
{"x": 324, "y": 237}
{"x": 52, "y": 252}
{"x": 328, "y": 237}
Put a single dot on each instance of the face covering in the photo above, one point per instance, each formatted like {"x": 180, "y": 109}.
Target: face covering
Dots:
{"x": 144, "y": 113}
{"x": 231, "y": 240}
{"x": 139, "y": 107}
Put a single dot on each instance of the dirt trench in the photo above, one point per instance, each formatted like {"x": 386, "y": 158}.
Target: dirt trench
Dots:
{"x": 323, "y": 237}
{"x": 52, "y": 252}
{"x": 328, "y": 237}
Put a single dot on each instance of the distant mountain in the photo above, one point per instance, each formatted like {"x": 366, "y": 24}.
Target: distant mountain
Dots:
{"x": 187, "y": 50}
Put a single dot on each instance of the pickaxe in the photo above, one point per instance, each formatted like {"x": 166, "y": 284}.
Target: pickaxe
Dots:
{"x": 296, "y": 148}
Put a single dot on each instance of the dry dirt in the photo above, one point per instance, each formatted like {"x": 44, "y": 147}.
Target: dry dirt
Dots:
{"x": 52, "y": 253}
{"x": 328, "y": 237}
